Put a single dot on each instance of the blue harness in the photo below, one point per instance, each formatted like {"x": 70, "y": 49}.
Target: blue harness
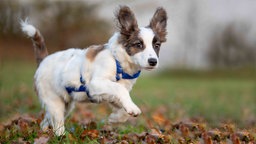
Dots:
{"x": 82, "y": 88}
{"x": 119, "y": 71}
{"x": 120, "y": 74}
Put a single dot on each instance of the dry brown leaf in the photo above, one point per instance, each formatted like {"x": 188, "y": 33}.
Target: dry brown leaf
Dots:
{"x": 91, "y": 125}
{"x": 207, "y": 139}
{"x": 124, "y": 142}
{"x": 41, "y": 140}
{"x": 159, "y": 118}
{"x": 93, "y": 134}
{"x": 150, "y": 139}
{"x": 184, "y": 130}
{"x": 215, "y": 135}
{"x": 244, "y": 136}
{"x": 155, "y": 132}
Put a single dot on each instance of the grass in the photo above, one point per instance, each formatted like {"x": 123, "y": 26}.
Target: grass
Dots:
{"x": 208, "y": 96}
{"x": 16, "y": 89}
{"x": 214, "y": 99}
{"x": 214, "y": 96}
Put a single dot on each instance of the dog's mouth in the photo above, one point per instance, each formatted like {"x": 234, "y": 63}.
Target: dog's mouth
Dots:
{"x": 149, "y": 68}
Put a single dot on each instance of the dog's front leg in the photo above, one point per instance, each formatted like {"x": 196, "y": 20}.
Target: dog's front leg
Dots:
{"x": 112, "y": 92}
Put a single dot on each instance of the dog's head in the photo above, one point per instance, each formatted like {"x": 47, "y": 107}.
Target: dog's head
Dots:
{"x": 142, "y": 44}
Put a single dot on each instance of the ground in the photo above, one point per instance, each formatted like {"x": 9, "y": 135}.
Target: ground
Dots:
{"x": 178, "y": 106}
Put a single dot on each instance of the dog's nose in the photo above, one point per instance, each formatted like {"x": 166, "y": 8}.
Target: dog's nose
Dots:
{"x": 152, "y": 61}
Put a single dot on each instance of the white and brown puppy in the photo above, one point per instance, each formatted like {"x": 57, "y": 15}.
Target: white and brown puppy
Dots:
{"x": 99, "y": 73}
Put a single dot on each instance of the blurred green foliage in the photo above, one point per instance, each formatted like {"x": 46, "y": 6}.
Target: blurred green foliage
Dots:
{"x": 63, "y": 23}
{"x": 231, "y": 47}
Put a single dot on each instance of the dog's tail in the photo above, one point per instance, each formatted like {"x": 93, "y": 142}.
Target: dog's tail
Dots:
{"x": 37, "y": 39}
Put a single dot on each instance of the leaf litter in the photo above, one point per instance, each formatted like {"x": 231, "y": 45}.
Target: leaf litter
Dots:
{"x": 156, "y": 129}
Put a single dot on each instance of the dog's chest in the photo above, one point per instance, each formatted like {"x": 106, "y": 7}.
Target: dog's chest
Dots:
{"x": 128, "y": 84}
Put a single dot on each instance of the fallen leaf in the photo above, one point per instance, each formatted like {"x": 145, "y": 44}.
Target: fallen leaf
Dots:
{"x": 131, "y": 138}
{"x": 124, "y": 142}
{"x": 159, "y": 118}
{"x": 150, "y": 139}
{"x": 41, "y": 140}
{"x": 215, "y": 135}
{"x": 93, "y": 134}
{"x": 184, "y": 130}
{"x": 244, "y": 136}
{"x": 155, "y": 132}
{"x": 206, "y": 138}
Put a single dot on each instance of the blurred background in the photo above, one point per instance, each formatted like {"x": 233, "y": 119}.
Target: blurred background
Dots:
{"x": 207, "y": 68}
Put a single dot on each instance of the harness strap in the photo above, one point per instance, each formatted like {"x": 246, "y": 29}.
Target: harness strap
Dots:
{"x": 119, "y": 74}
{"x": 124, "y": 75}
{"x": 82, "y": 88}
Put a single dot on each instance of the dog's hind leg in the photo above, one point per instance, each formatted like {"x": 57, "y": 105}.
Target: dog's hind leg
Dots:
{"x": 55, "y": 110}
{"x": 69, "y": 107}
{"x": 119, "y": 115}
{"x": 46, "y": 122}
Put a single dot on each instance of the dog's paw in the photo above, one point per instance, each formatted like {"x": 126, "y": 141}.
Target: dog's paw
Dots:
{"x": 60, "y": 131}
{"x": 132, "y": 109}
{"x": 94, "y": 99}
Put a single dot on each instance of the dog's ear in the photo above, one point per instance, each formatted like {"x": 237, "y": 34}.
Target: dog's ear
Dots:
{"x": 158, "y": 23}
{"x": 127, "y": 22}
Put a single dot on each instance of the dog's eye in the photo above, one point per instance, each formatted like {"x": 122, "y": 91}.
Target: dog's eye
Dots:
{"x": 138, "y": 45}
{"x": 157, "y": 45}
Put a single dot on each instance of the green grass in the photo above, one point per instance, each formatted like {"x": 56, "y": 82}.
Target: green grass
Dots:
{"x": 214, "y": 96}
{"x": 16, "y": 89}
{"x": 214, "y": 99}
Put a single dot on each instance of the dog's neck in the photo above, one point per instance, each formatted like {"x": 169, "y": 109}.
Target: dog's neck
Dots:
{"x": 119, "y": 53}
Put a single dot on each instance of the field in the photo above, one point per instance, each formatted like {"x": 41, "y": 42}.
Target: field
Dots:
{"x": 179, "y": 106}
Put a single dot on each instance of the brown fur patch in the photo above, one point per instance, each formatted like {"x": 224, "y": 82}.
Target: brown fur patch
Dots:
{"x": 158, "y": 24}
{"x": 127, "y": 21}
{"x": 156, "y": 43}
{"x": 129, "y": 31}
{"x": 35, "y": 88}
{"x": 39, "y": 47}
{"x": 93, "y": 51}
{"x": 133, "y": 44}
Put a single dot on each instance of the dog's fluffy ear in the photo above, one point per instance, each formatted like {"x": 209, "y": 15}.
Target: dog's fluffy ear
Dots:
{"x": 158, "y": 23}
{"x": 127, "y": 21}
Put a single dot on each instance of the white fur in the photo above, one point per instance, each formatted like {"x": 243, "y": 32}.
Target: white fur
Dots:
{"x": 30, "y": 30}
{"x": 64, "y": 68}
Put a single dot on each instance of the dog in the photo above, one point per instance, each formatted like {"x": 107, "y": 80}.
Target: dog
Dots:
{"x": 99, "y": 73}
